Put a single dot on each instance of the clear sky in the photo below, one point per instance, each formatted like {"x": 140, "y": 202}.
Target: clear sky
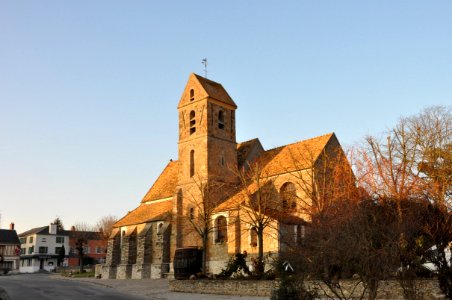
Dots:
{"x": 89, "y": 89}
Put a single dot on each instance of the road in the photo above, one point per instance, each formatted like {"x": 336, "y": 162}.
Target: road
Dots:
{"x": 53, "y": 286}
{"x": 46, "y": 287}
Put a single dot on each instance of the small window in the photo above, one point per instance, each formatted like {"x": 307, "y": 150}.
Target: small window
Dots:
{"x": 192, "y": 94}
{"x": 60, "y": 239}
{"x": 222, "y": 229}
{"x": 253, "y": 237}
{"x": 31, "y": 249}
{"x": 192, "y": 163}
{"x": 30, "y": 239}
{"x": 23, "y": 240}
{"x": 43, "y": 250}
{"x": 192, "y": 122}
{"x": 160, "y": 228}
{"x": 222, "y": 161}
{"x": 191, "y": 213}
{"x": 221, "y": 119}
{"x": 57, "y": 250}
{"x": 43, "y": 240}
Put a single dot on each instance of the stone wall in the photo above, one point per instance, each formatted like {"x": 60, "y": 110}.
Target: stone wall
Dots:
{"x": 223, "y": 287}
{"x": 389, "y": 289}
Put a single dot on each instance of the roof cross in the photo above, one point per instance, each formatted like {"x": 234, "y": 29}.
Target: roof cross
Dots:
{"x": 204, "y": 62}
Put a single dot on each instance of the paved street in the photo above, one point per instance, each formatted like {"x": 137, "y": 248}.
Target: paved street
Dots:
{"x": 44, "y": 286}
{"x": 52, "y": 286}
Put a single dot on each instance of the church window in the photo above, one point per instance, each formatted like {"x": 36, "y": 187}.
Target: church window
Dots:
{"x": 192, "y": 94}
{"x": 288, "y": 195}
{"x": 192, "y": 163}
{"x": 222, "y": 161}
{"x": 191, "y": 213}
{"x": 253, "y": 237}
{"x": 160, "y": 228}
{"x": 192, "y": 122}
{"x": 221, "y": 226}
{"x": 221, "y": 119}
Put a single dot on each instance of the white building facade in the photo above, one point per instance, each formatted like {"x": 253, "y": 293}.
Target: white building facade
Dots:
{"x": 40, "y": 248}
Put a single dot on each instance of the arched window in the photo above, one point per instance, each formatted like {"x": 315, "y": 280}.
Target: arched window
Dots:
{"x": 192, "y": 163}
{"x": 191, "y": 213}
{"x": 253, "y": 237}
{"x": 160, "y": 228}
{"x": 288, "y": 195}
{"x": 192, "y": 122}
{"x": 221, "y": 119}
{"x": 221, "y": 225}
{"x": 192, "y": 94}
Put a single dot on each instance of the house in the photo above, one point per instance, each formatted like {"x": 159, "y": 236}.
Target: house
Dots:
{"x": 9, "y": 250}
{"x": 94, "y": 247}
{"x": 40, "y": 248}
{"x": 207, "y": 174}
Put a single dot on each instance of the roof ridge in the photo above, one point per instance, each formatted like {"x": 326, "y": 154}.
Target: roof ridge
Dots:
{"x": 301, "y": 141}
{"x": 205, "y": 78}
{"x": 248, "y": 141}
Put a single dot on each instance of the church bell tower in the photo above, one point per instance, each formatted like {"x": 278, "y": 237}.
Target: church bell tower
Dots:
{"x": 207, "y": 137}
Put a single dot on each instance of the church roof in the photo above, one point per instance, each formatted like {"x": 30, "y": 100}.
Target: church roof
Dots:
{"x": 165, "y": 185}
{"x": 288, "y": 158}
{"x": 292, "y": 157}
{"x": 207, "y": 88}
{"x": 244, "y": 150}
{"x": 147, "y": 212}
{"x": 215, "y": 90}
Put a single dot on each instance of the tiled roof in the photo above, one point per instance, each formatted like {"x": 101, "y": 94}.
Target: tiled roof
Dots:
{"x": 244, "y": 149}
{"x": 215, "y": 90}
{"x": 8, "y": 237}
{"x": 165, "y": 185}
{"x": 147, "y": 212}
{"x": 292, "y": 157}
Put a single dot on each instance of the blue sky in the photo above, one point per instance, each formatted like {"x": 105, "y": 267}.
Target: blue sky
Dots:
{"x": 89, "y": 89}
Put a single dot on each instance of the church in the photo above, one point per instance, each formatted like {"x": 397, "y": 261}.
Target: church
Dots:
{"x": 218, "y": 185}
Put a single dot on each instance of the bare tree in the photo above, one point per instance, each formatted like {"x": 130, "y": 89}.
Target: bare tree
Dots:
{"x": 81, "y": 234}
{"x": 323, "y": 178}
{"x": 105, "y": 225}
{"x": 259, "y": 204}
{"x": 201, "y": 199}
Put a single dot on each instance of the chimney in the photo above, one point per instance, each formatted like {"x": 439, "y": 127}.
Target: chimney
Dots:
{"x": 52, "y": 228}
{"x": 11, "y": 226}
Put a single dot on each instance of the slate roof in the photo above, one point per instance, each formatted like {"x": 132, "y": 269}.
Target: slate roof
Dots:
{"x": 147, "y": 212}
{"x": 89, "y": 235}
{"x": 165, "y": 185}
{"x": 215, "y": 90}
{"x": 44, "y": 230}
{"x": 9, "y": 237}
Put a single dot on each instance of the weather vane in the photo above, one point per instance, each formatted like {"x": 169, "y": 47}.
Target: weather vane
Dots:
{"x": 204, "y": 62}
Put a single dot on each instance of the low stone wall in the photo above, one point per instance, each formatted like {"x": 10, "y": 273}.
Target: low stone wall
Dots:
{"x": 389, "y": 289}
{"x": 223, "y": 287}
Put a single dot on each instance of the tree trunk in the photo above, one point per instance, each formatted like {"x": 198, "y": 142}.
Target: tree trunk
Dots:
{"x": 205, "y": 240}
{"x": 260, "y": 256}
{"x": 373, "y": 289}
